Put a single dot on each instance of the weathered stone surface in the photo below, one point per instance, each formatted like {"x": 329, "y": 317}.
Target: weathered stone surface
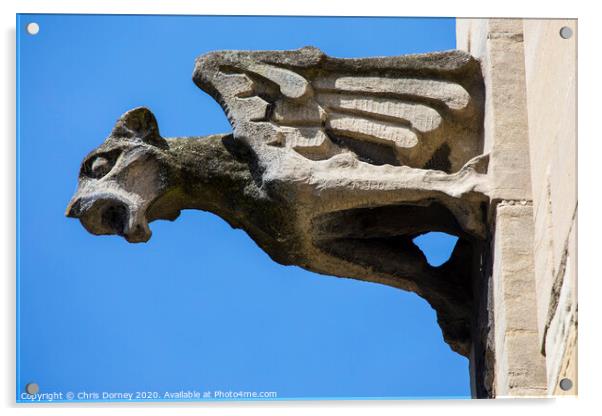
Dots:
{"x": 498, "y": 45}
{"x": 520, "y": 368}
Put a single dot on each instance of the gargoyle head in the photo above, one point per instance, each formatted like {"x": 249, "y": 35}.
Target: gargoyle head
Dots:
{"x": 122, "y": 178}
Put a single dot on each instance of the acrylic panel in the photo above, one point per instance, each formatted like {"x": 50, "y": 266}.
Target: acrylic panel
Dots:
{"x": 333, "y": 219}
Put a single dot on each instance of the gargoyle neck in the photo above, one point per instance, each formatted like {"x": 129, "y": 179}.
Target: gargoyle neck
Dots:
{"x": 212, "y": 173}
{"x": 219, "y": 175}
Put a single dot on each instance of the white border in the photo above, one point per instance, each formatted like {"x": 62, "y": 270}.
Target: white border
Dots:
{"x": 589, "y": 219}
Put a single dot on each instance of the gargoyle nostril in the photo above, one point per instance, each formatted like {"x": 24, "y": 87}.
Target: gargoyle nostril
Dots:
{"x": 115, "y": 218}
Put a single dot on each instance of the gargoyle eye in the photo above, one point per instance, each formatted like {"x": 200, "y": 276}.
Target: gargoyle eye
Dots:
{"x": 98, "y": 166}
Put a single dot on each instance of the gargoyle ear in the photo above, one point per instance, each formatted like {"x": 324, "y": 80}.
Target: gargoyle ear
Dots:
{"x": 141, "y": 124}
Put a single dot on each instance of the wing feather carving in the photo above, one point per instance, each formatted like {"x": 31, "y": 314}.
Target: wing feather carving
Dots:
{"x": 449, "y": 93}
{"x": 395, "y": 110}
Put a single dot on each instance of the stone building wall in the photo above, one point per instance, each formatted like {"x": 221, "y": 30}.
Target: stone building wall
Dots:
{"x": 550, "y": 64}
{"x": 530, "y": 336}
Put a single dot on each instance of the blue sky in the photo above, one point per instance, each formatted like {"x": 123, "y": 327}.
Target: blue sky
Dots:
{"x": 200, "y": 306}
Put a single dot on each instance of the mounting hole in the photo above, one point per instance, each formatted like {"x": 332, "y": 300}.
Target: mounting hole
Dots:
{"x": 32, "y": 388}
{"x": 566, "y": 384}
{"x": 566, "y": 32}
{"x": 32, "y": 28}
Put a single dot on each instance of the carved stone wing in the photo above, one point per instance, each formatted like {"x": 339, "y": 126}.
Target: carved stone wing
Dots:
{"x": 411, "y": 110}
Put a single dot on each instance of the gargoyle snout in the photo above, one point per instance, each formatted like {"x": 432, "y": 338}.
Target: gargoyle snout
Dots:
{"x": 109, "y": 215}
{"x": 74, "y": 208}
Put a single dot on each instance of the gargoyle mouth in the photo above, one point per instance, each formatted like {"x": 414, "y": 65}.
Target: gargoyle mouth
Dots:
{"x": 115, "y": 217}
{"x": 110, "y": 216}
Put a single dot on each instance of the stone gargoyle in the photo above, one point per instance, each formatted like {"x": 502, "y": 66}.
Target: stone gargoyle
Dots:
{"x": 333, "y": 165}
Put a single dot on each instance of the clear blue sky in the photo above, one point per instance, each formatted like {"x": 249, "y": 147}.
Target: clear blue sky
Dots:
{"x": 200, "y": 306}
